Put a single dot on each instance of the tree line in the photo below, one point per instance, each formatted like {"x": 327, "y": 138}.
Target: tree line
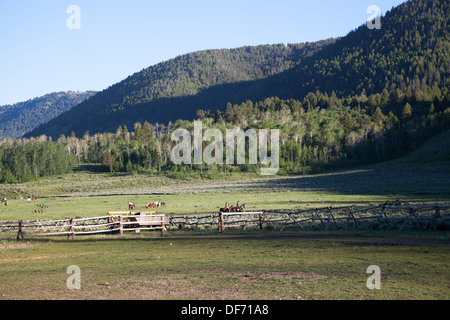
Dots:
{"x": 320, "y": 132}
{"x": 27, "y": 159}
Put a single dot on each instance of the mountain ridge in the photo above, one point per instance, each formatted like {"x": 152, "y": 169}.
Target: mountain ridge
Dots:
{"x": 411, "y": 49}
{"x": 117, "y": 99}
{"x": 20, "y": 118}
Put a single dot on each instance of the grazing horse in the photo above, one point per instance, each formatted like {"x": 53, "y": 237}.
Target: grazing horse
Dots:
{"x": 228, "y": 209}
{"x": 131, "y": 205}
{"x": 163, "y": 204}
{"x": 5, "y": 201}
{"x": 151, "y": 205}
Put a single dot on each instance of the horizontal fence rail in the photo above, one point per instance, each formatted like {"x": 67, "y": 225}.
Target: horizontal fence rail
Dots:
{"x": 326, "y": 218}
{"x": 111, "y": 224}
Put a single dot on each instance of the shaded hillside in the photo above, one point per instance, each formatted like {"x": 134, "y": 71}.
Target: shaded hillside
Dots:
{"x": 21, "y": 118}
{"x": 176, "y": 88}
{"x": 411, "y": 50}
{"x": 435, "y": 149}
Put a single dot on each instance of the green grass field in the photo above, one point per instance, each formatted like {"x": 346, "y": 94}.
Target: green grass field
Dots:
{"x": 238, "y": 264}
{"x": 228, "y": 267}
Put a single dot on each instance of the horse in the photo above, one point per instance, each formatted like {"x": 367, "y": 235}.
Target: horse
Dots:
{"x": 151, "y": 205}
{"x": 131, "y": 205}
{"x": 163, "y": 204}
{"x": 229, "y": 209}
{"x": 5, "y": 201}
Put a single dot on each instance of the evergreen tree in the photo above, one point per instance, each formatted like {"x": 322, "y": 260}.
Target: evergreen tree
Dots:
{"x": 107, "y": 161}
{"x": 378, "y": 116}
{"x": 347, "y": 123}
{"x": 407, "y": 113}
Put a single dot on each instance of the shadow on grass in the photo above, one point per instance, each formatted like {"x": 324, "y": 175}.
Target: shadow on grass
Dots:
{"x": 377, "y": 180}
{"x": 369, "y": 237}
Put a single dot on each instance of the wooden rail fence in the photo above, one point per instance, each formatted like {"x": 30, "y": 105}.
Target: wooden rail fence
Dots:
{"x": 326, "y": 218}
{"x": 117, "y": 224}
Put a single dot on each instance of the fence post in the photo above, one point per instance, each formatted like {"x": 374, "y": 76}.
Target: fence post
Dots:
{"x": 351, "y": 216}
{"x": 437, "y": 213}
{"x": 260, "y": 221}
{"x": 71, "y": 232}
{"x": 120, "y": 225}
{"x": 330, "y": 210}
{"x": 382, "y": 213}
{"x": 20, "y": 232}
{"x": 162, "y": 225}
{"x": 221, "y": 225}
{"x": 412, "y": 212}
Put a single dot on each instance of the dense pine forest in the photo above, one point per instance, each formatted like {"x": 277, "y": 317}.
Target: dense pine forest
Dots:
{"x": 22, "y": 161}
{"x": 320, "y": 132}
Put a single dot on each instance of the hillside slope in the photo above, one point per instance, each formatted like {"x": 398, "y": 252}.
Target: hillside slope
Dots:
{"x": 169, "y": 90}
{"x": 18, "y": 119}
{"x": 411, "y": 49}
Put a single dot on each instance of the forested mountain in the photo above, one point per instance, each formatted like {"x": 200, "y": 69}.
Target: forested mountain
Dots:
{"x": 320, "y": 132}
{"x": 21, "y": 118}
{"x": 174, "y": 89}
{"x": 410, "y": 50}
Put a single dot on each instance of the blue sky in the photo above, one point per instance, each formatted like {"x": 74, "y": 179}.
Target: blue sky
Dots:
{"x": 39, "y": 54}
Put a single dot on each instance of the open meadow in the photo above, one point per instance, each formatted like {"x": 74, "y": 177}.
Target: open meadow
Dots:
{"x": 250, "y": 264}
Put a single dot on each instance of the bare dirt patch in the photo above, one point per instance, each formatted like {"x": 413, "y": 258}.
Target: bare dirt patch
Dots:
{"x": 173, "y": 288}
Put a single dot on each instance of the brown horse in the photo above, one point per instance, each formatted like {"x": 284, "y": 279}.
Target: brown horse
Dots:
{"x": 151, "y": 205}
{"x": 163, "y": 204}
{"x": 131, "y": 206}
{"x": 229, "y": 209}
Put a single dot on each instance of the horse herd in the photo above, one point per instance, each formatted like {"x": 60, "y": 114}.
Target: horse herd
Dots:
{"x": 5, "y": 201}
{"x": 157, "y": 204}
{"x": 237, "y": 208}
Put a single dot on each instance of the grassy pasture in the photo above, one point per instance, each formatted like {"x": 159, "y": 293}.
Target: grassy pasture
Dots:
{"x": 216, "y": 268}
{"x": 235, "y": 265}
{"x": 87, "y": 194}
